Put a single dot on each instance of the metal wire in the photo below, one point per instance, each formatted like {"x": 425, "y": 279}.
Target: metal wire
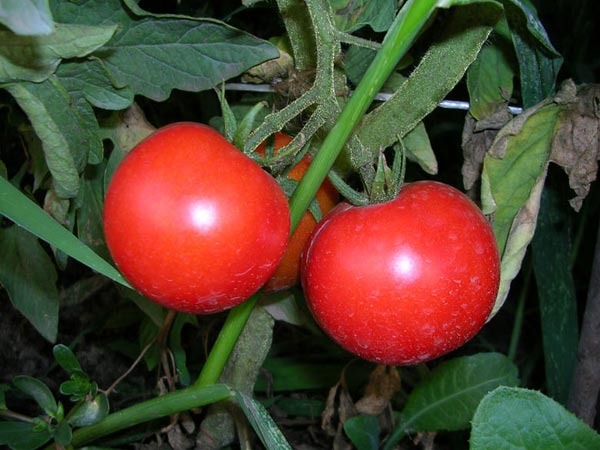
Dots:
{"x": 382, "y": 96}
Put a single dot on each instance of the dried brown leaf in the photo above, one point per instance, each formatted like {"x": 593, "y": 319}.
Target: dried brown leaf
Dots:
{"x": 477, "y": 138}
{"x": 576, "y": 143}
{"x": 384, "y": 382}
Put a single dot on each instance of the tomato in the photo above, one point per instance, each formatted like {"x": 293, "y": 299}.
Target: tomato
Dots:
{"x": 404, "y": 281}
{"x": 288, "y": 272}
{"x": 193, "y": 223}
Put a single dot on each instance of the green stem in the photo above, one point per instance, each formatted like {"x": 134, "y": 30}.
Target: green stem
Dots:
{"x": 155, "y": 408}
{"x": 400, "y": 36}
{"x": 230, "y": 331}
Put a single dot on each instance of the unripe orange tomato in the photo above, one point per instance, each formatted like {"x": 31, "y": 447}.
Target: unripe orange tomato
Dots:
{"x": 288, "y": 272}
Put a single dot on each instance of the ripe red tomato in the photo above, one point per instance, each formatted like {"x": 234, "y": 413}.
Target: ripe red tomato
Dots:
{"x": 404, "y": 281}
{"x": 288, "y": 272}
{"x": 193, "y": 223}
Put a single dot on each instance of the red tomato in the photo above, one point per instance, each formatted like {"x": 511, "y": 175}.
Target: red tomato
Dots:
{"x": 192, "y": 222}
{"x": 288, "y": 272}
{"x": 404, "y": 281}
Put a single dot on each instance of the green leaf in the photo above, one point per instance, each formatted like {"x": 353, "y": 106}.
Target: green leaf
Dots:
{"x": 551, "y": 250}
{"x": 35, "y": 58}
{"x": 90, "y": 412}
{"x": 20, "y": 209}
{"x": 229, "y": 121}
{"x": 77, "y": 387}
{"x": 29, "y": 277}
{"x": 442, "y": 67}
{"x": 418, "y": 149}
{"x": 23, "y": 435}
{"x": 514, "y": 170}
{"x": 37, "y": 390}
{"x": 176, "y": 347}
{"x": 63, "y": 434}
{"x": 516, "y": 418}
{"x": 490, "y": 77}
{"x": 363, "y": 431}
{"x": 27, "y": 17}
{"x": 539, "y": 62}
{"x": 350, "y": 15}
{"x": 154, "y": 57}
{"x": 262, "y": 423}
{"x": 90, "y": 79}
{"x": 66, "y": 359}
{"x": 67, "y": 127}
{"x": 90, "y": 202}
{"x": 448, "y": 397}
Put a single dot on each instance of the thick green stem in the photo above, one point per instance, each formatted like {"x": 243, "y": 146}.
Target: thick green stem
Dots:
{"x": 400, "y": 36}
{"x": 230, "y": 331}
{"x": 155, "y": 408}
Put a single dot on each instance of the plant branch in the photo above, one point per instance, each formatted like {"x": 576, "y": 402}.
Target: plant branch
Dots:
{"x": 155, "y": 408}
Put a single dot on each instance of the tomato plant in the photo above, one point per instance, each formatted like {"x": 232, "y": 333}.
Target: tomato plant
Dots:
{"x": 288, "y": 272}
{"x": 403, "y": 281}
{"x": 192, "y": 222}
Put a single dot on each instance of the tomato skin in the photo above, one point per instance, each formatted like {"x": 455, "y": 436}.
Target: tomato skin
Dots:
{"x": 288, "y": 272}
{"x": 405, "y": 281}
{"x": 193, "y": 223}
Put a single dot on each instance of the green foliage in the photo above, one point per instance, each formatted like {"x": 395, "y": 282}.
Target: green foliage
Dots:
{"x": 448, "y": 397}
{"x": 363, "y": 431}
{"x": 516, "y": 418}
{"x": 29, "y": 276}
{"x": 31, "y": 17}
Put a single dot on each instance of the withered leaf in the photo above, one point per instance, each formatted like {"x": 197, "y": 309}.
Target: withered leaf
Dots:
{"x": 384, "y": 382}
{"x": 477, "y": 138}
{"x": 576, "y": 143}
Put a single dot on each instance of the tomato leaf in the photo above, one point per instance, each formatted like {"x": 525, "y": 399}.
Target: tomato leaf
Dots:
{"x": 490, "y": 77}
{"x": 23, "y": 435}
{"x": 67, "y": 127}
{"x": 350, "y": 15}
{"x": 91, "y": 79}
{"x": 29, "y": 276}
{"x": 514, "y": 171}
{"x": 501, "y": 416}
{"x": 447, "y": 397}
{"x": 89, "y": 210}
{"x": 35, "y": 58}
{"x": 442, "y": 67}
{"x": 31, "y": 18}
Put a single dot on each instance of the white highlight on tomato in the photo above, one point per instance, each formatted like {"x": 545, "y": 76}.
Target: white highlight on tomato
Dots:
{"x": 204, "y": 215}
